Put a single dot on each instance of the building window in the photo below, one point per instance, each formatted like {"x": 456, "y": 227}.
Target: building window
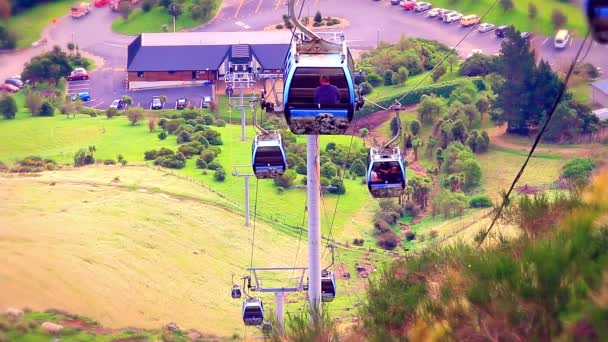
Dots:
{"x": 140, "y": 74}
{"x": 171, "y": 72}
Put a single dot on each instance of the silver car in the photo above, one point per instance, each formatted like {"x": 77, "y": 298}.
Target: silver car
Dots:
{"x": 422, "y": 6}
{"x": 485, "y": 27}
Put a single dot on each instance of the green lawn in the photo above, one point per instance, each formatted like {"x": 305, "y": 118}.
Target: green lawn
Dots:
{"x": 30, "y": 23}
{"x": 153, "y": 21}
{"x": 381, "y": 92}
{"x": 519, "y": 15}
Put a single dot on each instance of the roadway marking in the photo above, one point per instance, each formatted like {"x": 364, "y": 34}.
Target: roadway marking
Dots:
{"x": 116, "y": 45}
{"x": 277, "y": 5}
{"x": 545, "y": 41}
{"x": 239, "y": 8}
{"x": 240, "y": 23}
{"x": 97, "y": 105}
{"x": 246, "y": 27}
{"x": 258, "y": 8}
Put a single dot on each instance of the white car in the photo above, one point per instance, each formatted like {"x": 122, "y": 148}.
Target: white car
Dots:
{"x": 451, "y": 17}
{"x": 474, "y": 52}
{"x": 422, "y": 6}
{"x": 434, "y": 12}
{"x": 485, "y": 27}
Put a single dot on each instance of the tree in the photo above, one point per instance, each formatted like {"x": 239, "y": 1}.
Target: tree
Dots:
{"x": 135, "y": 114}
{"x": 127, "y": 100}
{"x": 8, "y": 38}
{"x": 395, "y": 80}
{"x": 532, "y": 11}
{"x": 287, "y": 179}
{"x": 165, "y": 3}
{"x": 71, "y": 46}
{"x": 506, "y": 5}
{"x": 8, "y": 106}
{"x": 438, "y": 72}
{"x": 85, "y": 156}
{"x": 318, "y": 18}
{"x": 162, "y": 135}
{"x": 517, "y": 68}
{"x": 416, "y": 143}
{"x": 33, "y": 101}
{"x": 459, "y": 131}
{"x": 364, "y": 132}
{"x": 50, "y": 66}
{"x": 329, "y": 170}
{"x": 46, "y": 109}
{"x": 546, "y": 87}
{"x": 403, "y": 74}
{"x": 483, "y": 105}
{"x": 472, "y": 173}
{"x": 415, "y": 127}
{"x": 430, "y": 108}
{"x": 175, "y": 9}
{"x": 121, "y": 159}
{"x": 220, "y": 174}
{"x": 578, "y": 169}
{"x": 152, "y": 120}
{"x": 358, "y": 168}
{"x": 111, "y": 112}
{"x": 366, "y": 88}
{"x": 125, "y": 9}
{"x": 147, "y": 5}
{"x": 558, "y": 19}
{"x": 439, "y": 157}
{"x": 388, "y": 77}
{"x": 452, "y": 59}
{"x": 478, "y": 65}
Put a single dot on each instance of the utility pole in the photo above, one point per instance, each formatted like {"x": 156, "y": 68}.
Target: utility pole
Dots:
{"x": 280, "y": 310}
{"x": 313, "y": 174}
{"x": 243, "y": 122}
{"x": 246, "y": 176}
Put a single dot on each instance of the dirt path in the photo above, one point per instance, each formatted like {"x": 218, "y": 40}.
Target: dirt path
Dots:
{"x": 499, "y": 137}
{"x": 373, "y": 122}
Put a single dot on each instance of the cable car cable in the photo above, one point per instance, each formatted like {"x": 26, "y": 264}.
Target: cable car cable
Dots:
{"x": 255, "y": 215}
{"x": 536, "y": 142}
{"x": 299, "y": 241}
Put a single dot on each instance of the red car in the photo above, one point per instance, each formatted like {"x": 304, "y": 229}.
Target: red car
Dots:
{"x": 8, "y": 88}
{"x": 408, "y": 5}
{"x": 101, "y": 3}
{"x": 78, "y": 74}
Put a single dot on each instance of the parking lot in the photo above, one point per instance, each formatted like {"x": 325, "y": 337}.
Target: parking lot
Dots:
{"x": 195, "y": 95}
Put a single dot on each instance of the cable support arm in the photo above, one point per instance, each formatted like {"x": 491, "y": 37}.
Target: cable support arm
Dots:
{"x": 396, "y": 107}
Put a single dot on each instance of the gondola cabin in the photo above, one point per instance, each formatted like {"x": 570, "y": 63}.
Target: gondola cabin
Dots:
{"x": 236, "y": 291}
{"x": 253, "y": 311}
{"x": 386, "y": 175}
{"x": 268, "y": 156}
{"x": 328, "y": 286}
{"x": 597, "y": 15}
{"x": 312, "y": 106}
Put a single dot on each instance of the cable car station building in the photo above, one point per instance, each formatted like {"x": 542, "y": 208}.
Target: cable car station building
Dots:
{"x": 162, "y": 60}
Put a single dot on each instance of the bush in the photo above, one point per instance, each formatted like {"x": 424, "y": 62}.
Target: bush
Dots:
{"x": 84, "y": 157}
{"x": 183, "y": 137}
{"x": 478, "y": 65}
{"x": 409, "y": 236}
{"x": 147, "y": 5}
{"x": 162, "y": 135}
{"x": 153, "y": 154}
{"x": 366, "y": 88}
{"x": 374, "y": 79}
{"x": 220, "y": 174}
{"x": 46, "y": 109}
{"x": 433, "y": 233}
{"x": 329, "y": 170}
{"x": 8, "y": 106}
{"x": 201, "y": 163}
{"x": 214, "y": 165}
{"x": 135, "y": 114}
{"x": 209, "y": 119}
{"x": 358, "y": 242}
{"x": 480, "y": 201}
{"x": 388, "y": 240}
{"x": 175, "y": 161}
{"x": 301, "y": 169}
{"x": 286, "y": 180}
{"x": 190, "y": 149}
{"x": 358, "y": 168}
{"x": 578, "y": 169}
{"x": 220, "y": 123}
{"x": 109, "y": 162}
{"x": 337, "y": 186}
{"x": 208, "y": 155}
{"x": 214, "y": 137}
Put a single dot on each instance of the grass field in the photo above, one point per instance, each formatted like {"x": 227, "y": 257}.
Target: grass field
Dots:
{"x": 153, "y": 21}
{"x": 30, "y": 23}
{"x": 519, "y": 15}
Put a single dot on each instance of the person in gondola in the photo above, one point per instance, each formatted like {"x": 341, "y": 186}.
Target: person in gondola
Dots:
{"x": 326, "y": 93}
{"x": 383, "y": 171}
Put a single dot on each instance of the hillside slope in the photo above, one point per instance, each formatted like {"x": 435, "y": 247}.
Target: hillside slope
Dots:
{"x": 128, "y": 246}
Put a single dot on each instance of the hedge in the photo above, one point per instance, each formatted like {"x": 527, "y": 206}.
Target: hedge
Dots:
{"x": 443, "y": 89}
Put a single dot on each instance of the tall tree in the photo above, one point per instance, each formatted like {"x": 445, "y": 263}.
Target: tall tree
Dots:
{"x": 546, "y": 88}
{"x": 516, "y": 65}
{"x": 8, "y": 106}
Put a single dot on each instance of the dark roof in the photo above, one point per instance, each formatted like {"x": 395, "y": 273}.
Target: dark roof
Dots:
{"x": 199, "y": 57}
{"x": 270, "y": 56}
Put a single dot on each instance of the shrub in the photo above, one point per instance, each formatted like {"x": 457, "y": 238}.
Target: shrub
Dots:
{"x": 337, "y": 186}
{"x": 209, "y": 119}
{"x": 214, "y": 165}
{"x": 329, "y": 170}
{"x": 174, "y": 161}
{"x": 84, "y": 157}
{"x": 46, "y": 109}
{"x": 111, "y": 112}
{"x": 433, "y": 234}
{"x": 162, "y": 135}
{"x": 183, "y": 137}
{"x": 109, "y": 162}
{"x": 208, "y": 155}
{"x": 147, "y": 5}
{"x": 366, "y": 88}
{"x": 213, "y": 136}
{"x": 172, "y": 125}
{"x": 409, "y": 236}
{"x": 301, "y": 169}
{"x": 287, "y": 179}
{"x": 578, "y": 169}
{"x": 220, "y": 123}
{"x": 388, "y": 240}
{"x": 198, "y": 136}
{"x": 220, "y": 174}
{"x": 201, "y": 163}
{"x": 8, "y": 106}
{"x": 135, "y": 114}
{"x": 480, "y": 201}
{"x": 358, "y": 242}
{"x": 358, "y": 168}
{"x": 190, "y": 149}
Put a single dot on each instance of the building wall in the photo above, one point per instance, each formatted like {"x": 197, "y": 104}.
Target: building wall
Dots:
{"x": 597, "y": 96}
{"x": 158, "y": 76}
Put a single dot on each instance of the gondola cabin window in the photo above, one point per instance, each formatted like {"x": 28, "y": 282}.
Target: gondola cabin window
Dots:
{"x": 306, "y": 80}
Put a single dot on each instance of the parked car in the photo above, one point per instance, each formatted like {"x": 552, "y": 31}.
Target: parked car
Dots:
{"x": 561, "y": 39}
{"x": 443, "y": 13}
{"x": 485, "y": 27}
{"x": 526, "y": 35}
{"x": 469, "y": 20}
{"x": 408, "y": 5}
{"x": 181, "y": 103}
{"x": 422, "y": 6}
{"x": 101, "y": 3}
{"x": 78, "y": 74}
{"x": 395, "y": 2}
{"x": 156, "y": 103}
{"x": 84, "y": 96}
{"x": 451, "y": 17}
{"x": 118, "y": 104}
{"x": 501, "y": 31}
{"x": 206, "y": 102}
{"x": 435, "y": 12}
{"x": 14, "y": 81}
{"x": 8, "y": 88}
